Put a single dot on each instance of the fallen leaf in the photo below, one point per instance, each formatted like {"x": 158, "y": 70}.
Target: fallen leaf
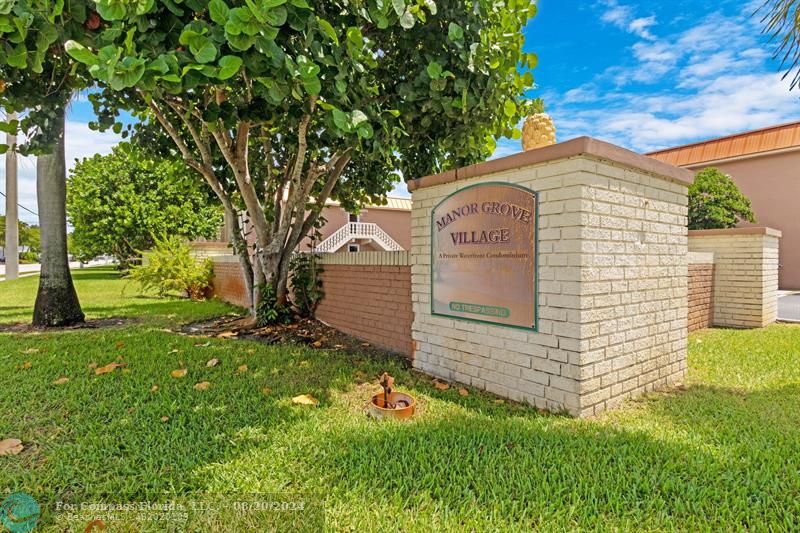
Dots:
{"x": 164, "y": 418}
{"x": 498, "y": 402}
{"x": 338, "y": 346}
{"x": 179, "y": 373}
{"x": 154, "y": 388}
{"x": 365, "y": 345}
{"x": 242, "y": 369}
{"x": 110, "y": 367}
{"x": 24, "y": 366}
{"x": 92, "y": 365}
{"x": 202, "y": 344}
{"x": 10, "y": 446}
{"x": 61, "y": 381}
{"x": 131, "y": 409}
{"x": 212, "y": 362}
{"x": 439, "y": 385}
{"x": 317, "y": 344}
{"x": 203, "y": 385}
{"x": 266, "y": 391}
{"x": 28, "y": 351}
{"x": 175, "y": 350}
{"x": 227, "y": 334}
{"x": 305, "y": 399}
{"x": 120, "y": 345}
{"x": 463, "y": 392}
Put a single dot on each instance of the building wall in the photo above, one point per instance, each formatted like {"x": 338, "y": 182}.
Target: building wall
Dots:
{"x": 745, "y": 274}
{"x": 612, "y": 287}
{"x": 395, "y": 222}
{"x": 772, "y": 182}
{"x": 368, "y": 295}
{"x": 700, "y": 290}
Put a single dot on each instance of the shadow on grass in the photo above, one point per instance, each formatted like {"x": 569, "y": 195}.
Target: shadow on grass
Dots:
{"x": 706, "y": 458}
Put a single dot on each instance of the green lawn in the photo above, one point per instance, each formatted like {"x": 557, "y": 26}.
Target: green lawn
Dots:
{"x": 724, "y": 454}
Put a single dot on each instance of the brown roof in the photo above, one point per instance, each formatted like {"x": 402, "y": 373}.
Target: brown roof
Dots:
{"x": 748, "y": 143}
{"x": 573, "y": 147}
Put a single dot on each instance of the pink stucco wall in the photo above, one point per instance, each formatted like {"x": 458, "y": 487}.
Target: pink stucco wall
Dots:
{"x": 772, "y": 182}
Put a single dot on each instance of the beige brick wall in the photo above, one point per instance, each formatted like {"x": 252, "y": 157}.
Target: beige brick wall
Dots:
{"x": 745, "y": 274}
{"x": 612, "y": 291}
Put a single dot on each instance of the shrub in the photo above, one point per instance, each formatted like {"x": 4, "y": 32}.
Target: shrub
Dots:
{"x": 306, "y": 283}
{"x": 267, "y": 311}
{"x": 172, "y": 268}
{"x": 28, "y": 257}
{"x": 715, "y": 202}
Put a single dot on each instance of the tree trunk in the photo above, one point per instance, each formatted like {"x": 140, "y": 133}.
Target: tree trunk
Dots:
{"x": 56, "y": 302}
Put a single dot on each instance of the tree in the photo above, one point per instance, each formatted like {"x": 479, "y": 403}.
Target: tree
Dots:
{"x": 38, "y": 77}
{"x": 716, "y": 202}
{"x": 56, "y": 300}
{"x": 117, "y": 203}
{"x": 29, "y": 236}
{"x": 781, "y": 20}
{"x": 278, "y": 102}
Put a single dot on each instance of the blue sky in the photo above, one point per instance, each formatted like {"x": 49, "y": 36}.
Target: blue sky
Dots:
{"x": 643, "y": 75}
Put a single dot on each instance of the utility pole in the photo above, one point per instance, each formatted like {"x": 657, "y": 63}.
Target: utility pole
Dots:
{"x": 12, "y": 212}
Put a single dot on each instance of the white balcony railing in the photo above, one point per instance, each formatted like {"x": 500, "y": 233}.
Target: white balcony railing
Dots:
{"x": 358, "y": 230}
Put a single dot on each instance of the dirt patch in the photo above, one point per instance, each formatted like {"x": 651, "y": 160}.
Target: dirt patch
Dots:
{"x": 308, "y": 332}
{"x": 89, "y": 324}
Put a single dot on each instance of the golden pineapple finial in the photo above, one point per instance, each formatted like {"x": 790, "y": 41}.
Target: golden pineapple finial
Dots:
{"x": 538, "y": 130}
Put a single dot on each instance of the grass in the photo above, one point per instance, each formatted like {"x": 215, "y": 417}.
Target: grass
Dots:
{"x": 723, "y": 454}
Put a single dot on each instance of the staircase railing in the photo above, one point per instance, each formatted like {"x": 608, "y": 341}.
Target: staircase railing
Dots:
{"x": 358, "y": 230}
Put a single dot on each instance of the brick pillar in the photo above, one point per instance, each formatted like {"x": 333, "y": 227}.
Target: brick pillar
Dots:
{"x": 612, "y": 281}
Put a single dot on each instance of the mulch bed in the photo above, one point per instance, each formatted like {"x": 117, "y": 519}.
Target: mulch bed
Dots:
{"x": 89, "y": 324}
{"x": 305, "y": 331}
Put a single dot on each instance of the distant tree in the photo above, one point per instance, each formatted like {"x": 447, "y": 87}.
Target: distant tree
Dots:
{"x": 29, "y": 236}
{"x": 781, "y": 20}
{"x": 715, "y": 202}
{"x": 118, "y": 202}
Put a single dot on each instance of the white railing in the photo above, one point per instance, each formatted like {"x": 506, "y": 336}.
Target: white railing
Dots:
{"x": 358, "y": 230}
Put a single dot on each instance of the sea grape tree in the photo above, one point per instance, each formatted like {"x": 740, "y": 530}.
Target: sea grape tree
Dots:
{"x": 283, "y": 104}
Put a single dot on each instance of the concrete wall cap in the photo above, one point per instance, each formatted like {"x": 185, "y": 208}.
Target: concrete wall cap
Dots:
{"x": 585, "y": 146}
{"x": 756, "y": 230}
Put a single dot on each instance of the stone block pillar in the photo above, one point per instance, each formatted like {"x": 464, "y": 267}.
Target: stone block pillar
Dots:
{"x": 611, "y": 281}
{"x": 745, "y": 274}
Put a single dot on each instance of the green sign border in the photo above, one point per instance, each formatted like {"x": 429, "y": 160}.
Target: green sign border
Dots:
{"x": 535, "y": 326}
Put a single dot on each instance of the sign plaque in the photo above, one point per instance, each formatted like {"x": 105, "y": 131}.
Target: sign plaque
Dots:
{"x": 483, "y": 255}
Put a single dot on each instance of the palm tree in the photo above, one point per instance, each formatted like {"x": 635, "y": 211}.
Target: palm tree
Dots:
{"x": 781, "y": 20}
{"x": 56, "y": 302}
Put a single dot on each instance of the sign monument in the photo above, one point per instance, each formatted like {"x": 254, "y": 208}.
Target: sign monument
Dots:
{"x": 483, "y": 255}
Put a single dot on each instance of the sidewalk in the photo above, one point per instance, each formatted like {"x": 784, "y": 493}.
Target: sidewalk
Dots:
{"x": 789, "y": 307}
{"x": 34, "y": 268}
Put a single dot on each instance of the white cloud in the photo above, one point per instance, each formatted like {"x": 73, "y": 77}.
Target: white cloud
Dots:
{"x": 681, "y": 87}
{"x": 80, "y": 142}
{"x": 624, "y": 18}
{"x": 640, "y": 27}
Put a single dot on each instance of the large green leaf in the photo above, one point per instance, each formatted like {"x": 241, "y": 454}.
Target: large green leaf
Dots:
{"x": 80, "y": 53}
{"x": 326, "y": 27}
{"x": 111, "y": 9}
{"x": 228, "y": 66}
{"x": 218, "y": 10}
